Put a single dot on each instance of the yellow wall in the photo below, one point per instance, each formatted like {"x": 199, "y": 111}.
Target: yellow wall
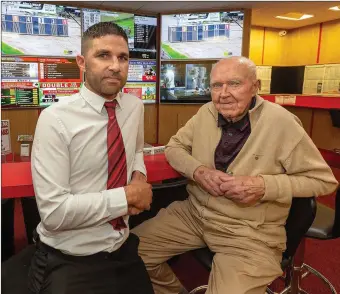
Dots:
{"x": 330, "y": 37}
{"x": 256, "y": 44}
{"x": 298, "y": 47}
{"x": 274, "y": 49}
{"x": 302, "y": 47}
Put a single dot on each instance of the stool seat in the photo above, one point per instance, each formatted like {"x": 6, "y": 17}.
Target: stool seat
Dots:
{"x": 204, "y": 256}
{"x": 322, "y": 227}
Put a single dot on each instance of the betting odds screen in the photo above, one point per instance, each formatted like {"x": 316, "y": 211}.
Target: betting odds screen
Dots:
{"x": 34, "y": 81}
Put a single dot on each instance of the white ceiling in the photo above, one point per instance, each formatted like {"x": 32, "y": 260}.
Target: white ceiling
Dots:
{"x": 263, "y": 13}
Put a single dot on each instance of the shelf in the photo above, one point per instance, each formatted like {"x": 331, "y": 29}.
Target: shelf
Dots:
{"x": 321, "y": 102}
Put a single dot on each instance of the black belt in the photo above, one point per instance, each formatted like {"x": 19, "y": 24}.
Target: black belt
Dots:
{"x": 82, "y": 258}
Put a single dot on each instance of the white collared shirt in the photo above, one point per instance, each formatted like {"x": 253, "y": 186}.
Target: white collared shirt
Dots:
{"x": 70, "y": 171}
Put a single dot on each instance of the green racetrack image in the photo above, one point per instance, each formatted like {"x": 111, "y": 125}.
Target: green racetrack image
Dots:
{"x": 172, "y": 53}
{"x": 126, "y": 21}
{"x": 9, "y": 50}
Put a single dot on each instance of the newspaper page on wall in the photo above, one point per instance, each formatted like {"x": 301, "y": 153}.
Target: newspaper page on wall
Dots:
{"x": 322, "y": 79}
{"x": 332, "y": 79}
{"x": 5, "y": 137}
{"x": 313, "y": 80}
{"x": 264, "y": 75}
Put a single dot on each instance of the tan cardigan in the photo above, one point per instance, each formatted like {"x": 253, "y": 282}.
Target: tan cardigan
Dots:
{"x": 278, "y": 149}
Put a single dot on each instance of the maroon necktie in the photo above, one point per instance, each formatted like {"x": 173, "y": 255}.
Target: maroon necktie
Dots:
{"x": 117, "y": 170}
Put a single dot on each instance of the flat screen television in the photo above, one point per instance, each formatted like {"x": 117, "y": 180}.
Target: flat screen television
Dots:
{"x": 185, "y": 82}
{"x": 287, "y": 79}
{"x": 335, "y": 117}
{"x": 209, "y": 35}
{"x": 141, "y": 30}
{"x": 30, "y": 28}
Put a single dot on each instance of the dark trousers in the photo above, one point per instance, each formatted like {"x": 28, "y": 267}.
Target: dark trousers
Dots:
{"x": 31, "y": 218}
{"x": 7, "y": 229}
{"x": 119, "y": 272}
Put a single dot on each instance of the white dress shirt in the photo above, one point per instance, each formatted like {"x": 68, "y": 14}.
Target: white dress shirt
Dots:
{"x": 70, "y": 171}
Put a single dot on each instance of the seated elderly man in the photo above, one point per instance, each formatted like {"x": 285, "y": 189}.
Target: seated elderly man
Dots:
{"x": 245, "y": 158}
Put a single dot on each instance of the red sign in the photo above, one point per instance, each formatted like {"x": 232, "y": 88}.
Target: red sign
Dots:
{"x": 61, "y": 92}
{"x": 60, "y": 85}
{"x": 56, "y": 60}
{"x": 7, "y": 85}
{"x": 149, "y": 78}
{"x": 134, "y": 91}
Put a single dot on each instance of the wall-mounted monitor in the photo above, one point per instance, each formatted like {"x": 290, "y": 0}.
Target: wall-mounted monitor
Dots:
{"x": 335, "y": 116}
{"x": 287, "y": 79}
{"x": 141, "y": 30}
{"x": 34, "y": 81}
{"x": 36, "y": 29}
{"x": 202, "y": 35}
{"x": 185, "y": 82}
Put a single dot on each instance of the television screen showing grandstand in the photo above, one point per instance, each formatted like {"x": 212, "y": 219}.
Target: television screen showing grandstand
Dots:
{"x": 140, "y": 30}
{"x": 202, "y": 35}
{"x": 36, "y": 29}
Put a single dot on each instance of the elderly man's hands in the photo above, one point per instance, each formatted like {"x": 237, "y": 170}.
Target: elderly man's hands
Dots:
{"x": 210, "y": 180}
{"x": 243, "y": 189}
{"x": 240, "y": 189}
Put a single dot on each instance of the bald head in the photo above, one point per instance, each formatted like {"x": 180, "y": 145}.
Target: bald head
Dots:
{"x": 243, "y": 64}
{"x": 233, "y": 85}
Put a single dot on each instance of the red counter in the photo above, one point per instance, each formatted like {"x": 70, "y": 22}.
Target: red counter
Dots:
{"x": 16, "y": 178}
{"x": 309, "y": 101}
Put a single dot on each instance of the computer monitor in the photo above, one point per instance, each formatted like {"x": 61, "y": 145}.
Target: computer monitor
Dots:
{"x": 287, "y": 79}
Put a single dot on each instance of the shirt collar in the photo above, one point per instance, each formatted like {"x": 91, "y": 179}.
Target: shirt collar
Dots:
{"x": 97, "y": 101}
{"x": 240, "y": 124}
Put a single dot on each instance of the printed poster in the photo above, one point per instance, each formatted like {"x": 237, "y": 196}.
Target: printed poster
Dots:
{"x": 5, "y": 137}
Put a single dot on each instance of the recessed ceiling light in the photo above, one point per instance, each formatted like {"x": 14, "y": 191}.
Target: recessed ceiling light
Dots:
{"x": 335, "y": 8}
{"x": 295, "y": 16}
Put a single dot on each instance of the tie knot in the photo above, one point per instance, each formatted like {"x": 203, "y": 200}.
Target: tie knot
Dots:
{"x": 111, "y": 104}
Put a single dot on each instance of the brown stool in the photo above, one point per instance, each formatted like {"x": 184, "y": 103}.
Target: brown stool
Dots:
{"x": 326, "y": 226}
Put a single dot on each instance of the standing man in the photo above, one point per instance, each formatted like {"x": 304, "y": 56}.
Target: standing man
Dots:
{"x": 245, "y": 159}
{"x": 89, "y": 175}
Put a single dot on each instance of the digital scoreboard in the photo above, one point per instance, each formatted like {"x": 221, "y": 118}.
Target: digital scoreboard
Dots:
{"x": 33, "y": 81}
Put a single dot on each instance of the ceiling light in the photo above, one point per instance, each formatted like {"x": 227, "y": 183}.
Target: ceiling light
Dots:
{"x": 295, "y": 16}
{"x": 335, "y": 8}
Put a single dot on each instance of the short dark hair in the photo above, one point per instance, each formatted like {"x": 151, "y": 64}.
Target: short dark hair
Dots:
{"x": 101, "y": 29}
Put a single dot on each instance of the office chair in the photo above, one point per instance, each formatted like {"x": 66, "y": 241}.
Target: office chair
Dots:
{"x": 300, "y": 218}
{"x": 326, "y": 226}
